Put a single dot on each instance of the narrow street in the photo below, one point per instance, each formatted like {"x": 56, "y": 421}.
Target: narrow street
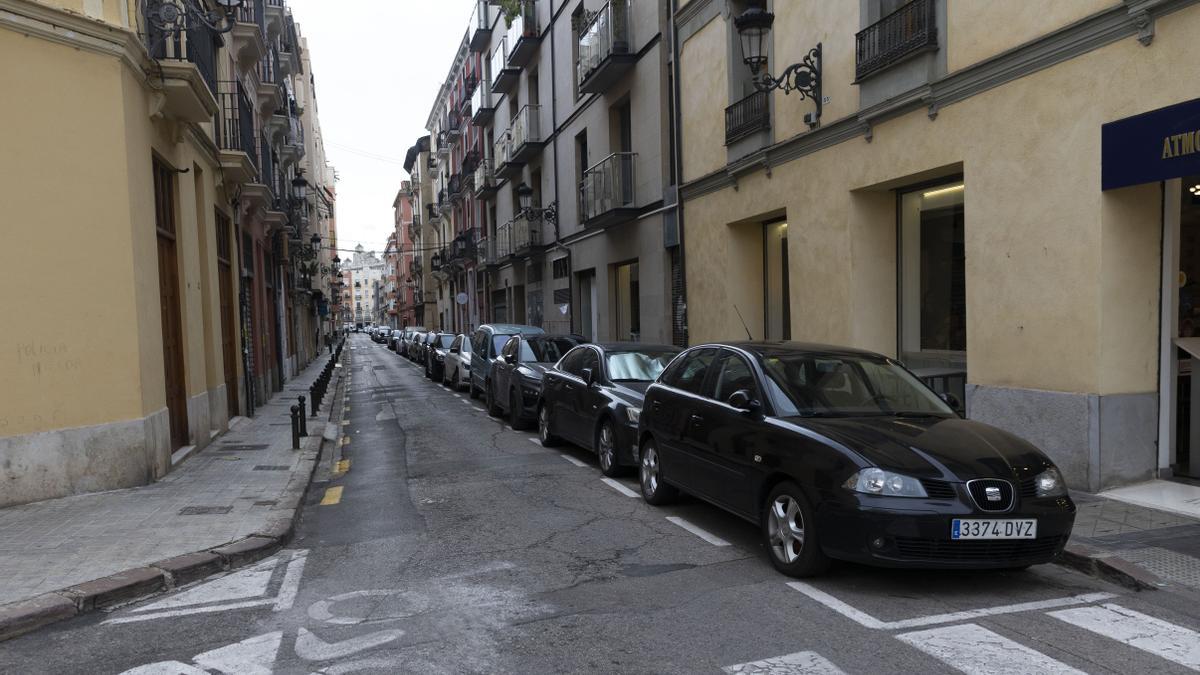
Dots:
{"x": 447, "y": 543}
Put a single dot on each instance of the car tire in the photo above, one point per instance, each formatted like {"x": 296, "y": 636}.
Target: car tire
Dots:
{"x": 474, "y": 393}
{"x": 789, "y": 532}
{"x": 490, "y": 400}
{"x": 654, "y": 490}
{"x": 548, "y": 439}
{"x": 606, "y": 449}
{"x": 515, "y": 420}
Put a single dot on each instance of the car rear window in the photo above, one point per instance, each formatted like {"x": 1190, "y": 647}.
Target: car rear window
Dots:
{"x": 637, "y": 366}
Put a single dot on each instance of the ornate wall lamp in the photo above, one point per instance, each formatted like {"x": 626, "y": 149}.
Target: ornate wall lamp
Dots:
{"x": 754, "y": 28}
{"x": 525, "y": 197}
{"x": 177, "y": 16}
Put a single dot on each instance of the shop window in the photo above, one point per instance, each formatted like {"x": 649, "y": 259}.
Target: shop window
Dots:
{"x": 627, "y": 304}
{"x": 776, "y": 297}
{"x": 933, "y": 299}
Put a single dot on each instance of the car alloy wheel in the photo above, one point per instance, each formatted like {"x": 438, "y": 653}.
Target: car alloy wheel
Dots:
{"x": 654, "y": 491}
{"x": 789, "y": 531}
{"x": 544, "y": 434}
{"x": 606, "y": 450}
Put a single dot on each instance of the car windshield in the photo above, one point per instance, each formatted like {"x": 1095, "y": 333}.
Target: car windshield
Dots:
{"x": 637, "y": 366}
{"x": 545, "y": 349}
{"x": 444, "y": 341}
{"x": 850, "y": 386}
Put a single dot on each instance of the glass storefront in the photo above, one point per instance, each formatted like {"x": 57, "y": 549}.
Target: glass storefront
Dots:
{"x": 1186, "y": 461}
{"x": 933, "y": 299}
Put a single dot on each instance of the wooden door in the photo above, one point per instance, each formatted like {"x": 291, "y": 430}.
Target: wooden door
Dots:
{"x": 172, "y": 324}
{"x": 229, "y": 317}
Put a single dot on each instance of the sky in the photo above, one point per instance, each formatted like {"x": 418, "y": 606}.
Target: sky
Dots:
{"x": 378, "y": 67}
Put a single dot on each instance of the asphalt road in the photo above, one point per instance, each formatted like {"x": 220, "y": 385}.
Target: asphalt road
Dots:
{"x": 456, "y": 545}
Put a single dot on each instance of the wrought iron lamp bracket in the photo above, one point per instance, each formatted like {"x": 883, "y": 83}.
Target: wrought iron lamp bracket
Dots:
{"x": 176, "y": 16}
{"x": 804, "y": 78}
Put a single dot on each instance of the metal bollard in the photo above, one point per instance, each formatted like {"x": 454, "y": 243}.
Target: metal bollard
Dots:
{"x": 312, "y": 396}
{"x": 295, "y": 427}
{"x": 303, "y": 418}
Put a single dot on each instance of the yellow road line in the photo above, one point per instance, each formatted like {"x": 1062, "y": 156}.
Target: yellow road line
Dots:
{"x": 342, "y": 467}
{"x": 333, "y": 495}
{"x": 345, "y": 440}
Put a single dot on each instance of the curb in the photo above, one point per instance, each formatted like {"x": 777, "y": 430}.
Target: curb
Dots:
{"x": 1107, "y": 566}
{"x": 24, "y": 616}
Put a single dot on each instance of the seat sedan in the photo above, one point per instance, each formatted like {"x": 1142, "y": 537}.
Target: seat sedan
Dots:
{"x": 435, "y": 355}
{"x": 593, "y": 398}
{"x": 457, "y": 370}
{"x": 516, "y": 382}
{"x": 837, "y": 453}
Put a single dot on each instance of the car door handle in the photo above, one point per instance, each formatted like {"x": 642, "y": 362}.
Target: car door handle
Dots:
{"x": 656, "y": 406}
{"x": 696, "y": 419}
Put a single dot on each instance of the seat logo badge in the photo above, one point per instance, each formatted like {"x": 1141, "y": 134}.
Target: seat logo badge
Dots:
{"x": 758, "y": 458}
{"x": 992, "y": 493}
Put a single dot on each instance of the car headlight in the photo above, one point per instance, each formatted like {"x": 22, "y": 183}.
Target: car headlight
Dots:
{"x": 633, "y": 414}
{"x": 1049, "y": 483}
{"x": 879, "y": 482}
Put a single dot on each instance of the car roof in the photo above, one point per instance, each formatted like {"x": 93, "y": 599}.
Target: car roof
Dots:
{"x": 510, "y": 328}
{"x": 762, "y": 348}
{"x": 634, "y": 347}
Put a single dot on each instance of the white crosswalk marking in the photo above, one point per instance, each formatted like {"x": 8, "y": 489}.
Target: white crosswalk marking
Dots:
{"x": 800, "y": 663}
{"x": 976, "y": 650}
{"x": 1135, "y": 629}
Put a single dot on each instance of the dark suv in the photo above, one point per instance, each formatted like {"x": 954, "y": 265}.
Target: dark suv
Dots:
{"x": 486, "y": 343}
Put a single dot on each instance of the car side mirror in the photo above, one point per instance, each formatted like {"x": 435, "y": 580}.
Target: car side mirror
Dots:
{"x": 589, "y": 376}
{"x": 510, "y": 359}
{"x": 454, "y": 350}
{"x": 743, "y": 399}
{"x": 950, "y": 399}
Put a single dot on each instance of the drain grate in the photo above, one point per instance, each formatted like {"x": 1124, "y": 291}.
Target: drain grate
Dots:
{"x": 272, "y": 467}
{"x": 242, "y": 448}
{"x": 1172, "y": 566}
{"x": 204, "y": 510}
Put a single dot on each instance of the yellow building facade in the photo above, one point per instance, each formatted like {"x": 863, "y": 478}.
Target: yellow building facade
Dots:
{"x": 125, "y": 169}
{"x": 946, "y": 208}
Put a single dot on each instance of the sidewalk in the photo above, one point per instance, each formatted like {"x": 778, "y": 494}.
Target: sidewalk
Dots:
{"x": 1135, "y": 545}
{"x": 233, "y": 502}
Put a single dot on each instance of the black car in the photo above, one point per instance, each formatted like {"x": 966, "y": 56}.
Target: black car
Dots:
{"x": 516, "y": 380}
{"x": 435, "y": 355}
{"x": 841, "y": 453}
{"x": 593, "y": 398}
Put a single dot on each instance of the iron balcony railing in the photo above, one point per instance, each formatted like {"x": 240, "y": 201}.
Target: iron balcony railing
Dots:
{"x": 499, "y": 59}
{"x": 526, "y": 233}
{"x": 896, "y": 36}
{"x": 471, "y": 160}
{"x": 454, "y": 190}
{"x": 274, "y": 3}
{"x": 483, "y": 174}
{"x": 252, "y": 12}
{"x": 481, "y": 16}
{"x": 435, "y": 213}
{"x": 197, "y": 45}
{"x": 266, "y": 164}
{"x": 748, "y": 116}
{"x": 502, "y": 245}
{"x": 481, "y": 98}
{"x": 502, "y": 149}
{"x": 453, "y": 124}
{"x": 607, "y": 186}
{"x": 443, "y": 143}
{"x": 235, "y": 126}
{"x": 607, "y": 34}
{"x": 268, "y": 67}
{"x": 526, "y": 127}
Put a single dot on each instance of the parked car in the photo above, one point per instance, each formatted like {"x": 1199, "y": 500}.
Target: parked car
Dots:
{"x": 458, "y": 363}
{"x": 435, "y": 355}
{"x": 516, "y": 381}
{"x": 593, "y": 398}
{"x": 486, "y": 343}
{"x": 422, "y": 346}
{"x": 409, "y": 334}
{"x": 393, "y": 340}
{"x": 838, "y": 453}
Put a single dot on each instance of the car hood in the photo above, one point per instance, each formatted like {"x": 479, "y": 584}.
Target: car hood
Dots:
{"x": 633, "y": 393}
{"x": 534, "y": 371}
{"x": 933, "y": 447}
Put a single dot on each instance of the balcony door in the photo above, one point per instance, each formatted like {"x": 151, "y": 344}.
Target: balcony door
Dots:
{"x": 172, "y": 323}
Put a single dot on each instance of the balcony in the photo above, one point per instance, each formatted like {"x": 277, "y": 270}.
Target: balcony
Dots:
{"x": 435, "y": 213}
{"x": 270, "y": 93}
{"x": 249, "y": 34}
{"x": 526, "y": 134}
{"x": 523, "y": 35}
{"x": 454, "y": 189}
{"x": 526, "y": 235}
{"x": 188, "y": 64}
{"x": 462, "y": 249}
{"x": 501, "y": 246}
{"x": 482, "y": 108}
{"x": 453, "y": 125}
{"x": 480, "y": 27}
{"x": 276, "y": 17}
{"x": 747, "y": 117}
{"x": 485, "y": 181}
{"x": 908, "y": 31}
{"x": 604, "y": 49}
{"x": 293, "y": 143}
{"x": 235, "y": 136}
{"x": 606, "y": 193}
{"x": 261, "y": 193}
{"x": 504, "y": 75}
{"x": 443, "y": 144}
{"x": 501, "y": 153}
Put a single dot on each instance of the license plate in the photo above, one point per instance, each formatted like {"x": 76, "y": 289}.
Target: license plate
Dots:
{"x": 964, "y": 528}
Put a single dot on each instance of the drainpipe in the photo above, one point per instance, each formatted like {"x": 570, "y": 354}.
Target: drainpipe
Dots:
{"x": 676, "y": 133}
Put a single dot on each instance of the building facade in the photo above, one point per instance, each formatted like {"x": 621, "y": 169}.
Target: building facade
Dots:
{"x": 940, "y": 199}
{"x": 186, "y": 214}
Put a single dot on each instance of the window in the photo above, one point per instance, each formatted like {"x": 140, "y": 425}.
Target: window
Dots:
{"x": 637, "y": 366}
{"x": 689, "y": 372}
{"x": 561, "y": 267}
{"x": 627, "y": 302}
{"x": 573, "y": 362}
{"x": 541, "y": 349}
{"x": 735, "y": 376}
{"x": 933, "y": 298}
{"x": 590, "y": 362}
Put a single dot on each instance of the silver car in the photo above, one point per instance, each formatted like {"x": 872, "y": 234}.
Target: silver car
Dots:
{"x": 457, "y": 370}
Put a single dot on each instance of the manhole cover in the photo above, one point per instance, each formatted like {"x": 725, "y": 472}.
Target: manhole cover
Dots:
{"x": 272, "y": 467}
{"x": 242, "y": 448}
{"x": 204, "y": 510}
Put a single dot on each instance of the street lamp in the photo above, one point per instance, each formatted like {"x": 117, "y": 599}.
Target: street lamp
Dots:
{"x": 177, "y": 16}
{"x": 754, "y": 27}
{"x": 300, "y": 185}
{"x": 525, "y": 199}
{"x": 525, "y": 196}
{"x": 315, "y": 240}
